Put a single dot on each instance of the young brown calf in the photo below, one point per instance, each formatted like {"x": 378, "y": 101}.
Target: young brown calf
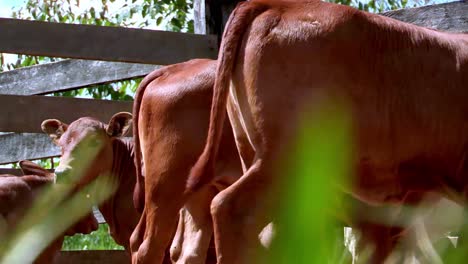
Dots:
{"x": 114, "y": 157}
{"x": 171, "y": 114}
{"x": 17, "y": 194}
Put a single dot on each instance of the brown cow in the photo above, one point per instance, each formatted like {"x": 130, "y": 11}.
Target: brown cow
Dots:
{"x": 171, "y": 114}
{"x": 115, "y": 156}
{"x": 406, "y": 87}
{"x": 17, "y": 193}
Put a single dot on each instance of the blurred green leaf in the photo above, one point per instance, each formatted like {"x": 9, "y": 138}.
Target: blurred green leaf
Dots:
{"x": 316, "y": 167}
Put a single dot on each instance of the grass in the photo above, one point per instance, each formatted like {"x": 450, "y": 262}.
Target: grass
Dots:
{"x": 97, "y": 240}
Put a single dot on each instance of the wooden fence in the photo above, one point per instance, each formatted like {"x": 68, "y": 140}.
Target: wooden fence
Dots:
{"x": 109, "y": 54}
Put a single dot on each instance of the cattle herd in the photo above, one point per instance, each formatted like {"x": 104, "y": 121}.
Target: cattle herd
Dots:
{"x": 193, "y": 187}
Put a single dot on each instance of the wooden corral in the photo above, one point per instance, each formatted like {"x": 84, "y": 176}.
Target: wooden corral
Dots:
{"x": 109, "y": 54}
{"x": 93, "y": 256}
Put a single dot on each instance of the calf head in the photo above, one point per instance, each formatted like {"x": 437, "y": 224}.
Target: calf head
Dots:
{"x": 93, "y": 138}
{"x": 89, "y": 136}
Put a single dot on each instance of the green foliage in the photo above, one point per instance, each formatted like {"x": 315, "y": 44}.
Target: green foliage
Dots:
{"x": 172, "y": 15}
{"x": 375, "y": 6}
{"x": 311, "y": 201}
{"x": 97, "y": 240}
{"x": 175, "y": 12}
{"x": 132, "y": 13}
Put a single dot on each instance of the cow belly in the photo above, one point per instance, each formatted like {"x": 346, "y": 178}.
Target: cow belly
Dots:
{"x": 398, "y": 154}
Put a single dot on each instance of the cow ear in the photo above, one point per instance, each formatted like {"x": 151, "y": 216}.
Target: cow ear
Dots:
{"x": 31, "y": 168}
{"x": 119, "y": 125}
{"x": 54, "y": 128}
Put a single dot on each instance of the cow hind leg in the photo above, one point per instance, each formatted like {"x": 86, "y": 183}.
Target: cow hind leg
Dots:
{"x": 136, "y": 239}
{"x": 195, "y": 228}
{"x": 156, "y": 238}
{"x": 238, "y": 217}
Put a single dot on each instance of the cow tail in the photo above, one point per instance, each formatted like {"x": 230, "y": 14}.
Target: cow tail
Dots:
{"x": 139, "y": 191}
{"x": 242, "y": 16}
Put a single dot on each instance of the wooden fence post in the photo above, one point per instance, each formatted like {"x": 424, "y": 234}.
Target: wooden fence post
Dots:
{"x": 212, "y": 15}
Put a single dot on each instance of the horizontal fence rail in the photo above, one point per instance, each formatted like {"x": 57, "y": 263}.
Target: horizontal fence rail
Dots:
{"x": 68, "y": 75}
{"x": 26, "y": 113}
{"x": 21, "y": 146}
{"x": 103, "y": 43}
{"x": 452, "y": 17}
{"x": 15, "y": 172}
{"x": 93, "y": 257}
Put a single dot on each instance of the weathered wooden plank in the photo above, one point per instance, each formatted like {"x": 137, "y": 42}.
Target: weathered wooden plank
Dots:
{"x": 93, "y": 257}
{"x": 199, "y": 16}
{"x": 67, "y": 75}
{"x": 26, "y": 146}
{"x": 216, "y": 14}
{"x": 98, "y": 215}
{"x": 26, "y": 113}
{"x": 16, "y": 172}
{"x": 103, "y": 43}
{"x": 451, "y": 17}
{"x": 15, "y": 147}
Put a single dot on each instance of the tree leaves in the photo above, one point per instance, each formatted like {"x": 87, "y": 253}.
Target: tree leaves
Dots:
{"x": 133, "y": 13}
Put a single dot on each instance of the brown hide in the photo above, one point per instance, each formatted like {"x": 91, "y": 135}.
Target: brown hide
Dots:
{"x": 171, "y": 114}
{"x": 406, "y": 88}
{"x": 17, "y": 193}
{"x": 114, "y": 157}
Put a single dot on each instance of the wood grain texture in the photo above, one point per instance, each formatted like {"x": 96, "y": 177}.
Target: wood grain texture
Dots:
{"x": 25, "y": 146}
{"x": 93, "y": 257}
{"x": 452, "y": 17}
{"x": 16, "y": 172}
{"x": 98, "y": 215}
{"x": 26, "y": 113}
{"x": 67, "y": 75}
{"x": 103, "y": 43}
{"x": 16, "y": 147}
{"x": 199, "y": 16}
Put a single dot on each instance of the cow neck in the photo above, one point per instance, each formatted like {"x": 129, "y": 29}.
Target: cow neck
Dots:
{"x": 123, "y": 171}
{"x": 123, "y": 166}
